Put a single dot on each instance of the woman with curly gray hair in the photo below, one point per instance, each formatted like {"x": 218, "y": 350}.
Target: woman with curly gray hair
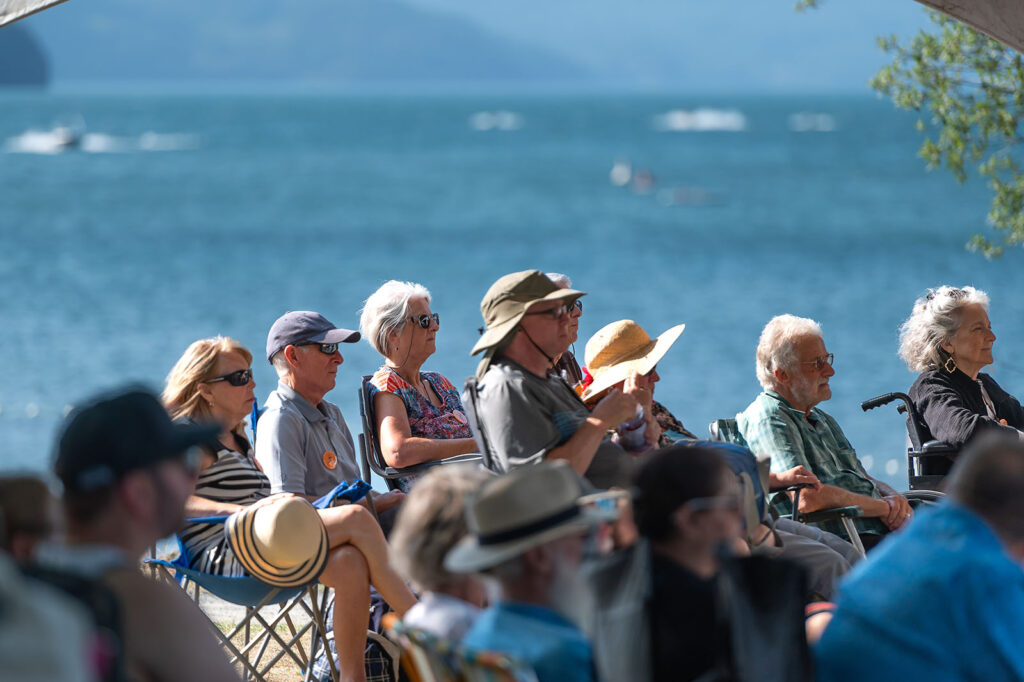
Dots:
{"x": 948, "y": 339}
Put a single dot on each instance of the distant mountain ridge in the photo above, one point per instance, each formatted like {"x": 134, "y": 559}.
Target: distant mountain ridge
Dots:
{"x": 336, "y": 41}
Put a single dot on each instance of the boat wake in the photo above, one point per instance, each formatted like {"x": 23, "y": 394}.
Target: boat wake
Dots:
{"x": 700, "y": 120}
{"x": 62, "y": 139}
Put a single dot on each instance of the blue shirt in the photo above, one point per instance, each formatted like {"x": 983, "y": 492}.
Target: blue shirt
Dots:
{"x": 555, "y": 649}
{"x": 941, "y": 600}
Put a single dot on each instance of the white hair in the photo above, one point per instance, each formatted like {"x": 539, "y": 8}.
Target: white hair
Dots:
{"x": 386, "y": 310}
{"x": 280, "y": 363}
{"x": 935, "y": 319}
{"x": 561, "y": 281}
{"x": 775, "y": 349}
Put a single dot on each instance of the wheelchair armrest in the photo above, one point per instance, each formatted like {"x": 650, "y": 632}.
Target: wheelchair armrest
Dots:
{"x": 935, "y": 448}
{"x": 413, "y": 470}
{"x": 833, "y": 514}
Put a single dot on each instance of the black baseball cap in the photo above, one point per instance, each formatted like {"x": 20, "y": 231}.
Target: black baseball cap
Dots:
{"x": 305, "y": 326}
{"x": 118, "y": 432}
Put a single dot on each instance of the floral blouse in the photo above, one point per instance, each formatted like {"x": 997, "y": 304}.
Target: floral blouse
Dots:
{"x": 426, "y": 420}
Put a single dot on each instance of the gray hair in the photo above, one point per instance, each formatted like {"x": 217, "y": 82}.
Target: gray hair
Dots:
{"x": 431, "y": 520}
{"x": 775, "y": 347}
{"x": 561, "y": 281}
{"x": 386, "y": 310}
{"x": 935, "y": 319}
{"x": 280, "y": 363}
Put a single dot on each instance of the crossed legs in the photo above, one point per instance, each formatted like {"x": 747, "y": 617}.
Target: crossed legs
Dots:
{"x": 358, "y": 559}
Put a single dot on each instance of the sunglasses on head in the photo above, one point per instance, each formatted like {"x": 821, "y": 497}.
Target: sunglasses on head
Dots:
{"x": 325, "y": 348}
{"x": 424, "y": 320}
{"x": 239, "y": 378}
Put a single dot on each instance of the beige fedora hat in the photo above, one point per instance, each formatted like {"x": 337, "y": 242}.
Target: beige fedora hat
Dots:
{"x": 281, "y": 541}
{"x": 622, "y": 347}
{"x": 522, "y": 509}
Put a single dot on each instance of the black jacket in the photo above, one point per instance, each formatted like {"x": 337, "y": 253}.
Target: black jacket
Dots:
{"x": 952, "y": 409}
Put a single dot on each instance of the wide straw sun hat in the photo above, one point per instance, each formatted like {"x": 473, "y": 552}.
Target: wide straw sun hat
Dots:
{"x": 281, "y": 541}
{"x": 622, "y": 347}
{"x": 522, "y": 509}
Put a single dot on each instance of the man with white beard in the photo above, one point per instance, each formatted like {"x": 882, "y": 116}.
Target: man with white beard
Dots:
{"x": 527, "y": 532}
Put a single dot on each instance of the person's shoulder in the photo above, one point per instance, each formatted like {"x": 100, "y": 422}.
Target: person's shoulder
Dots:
{"x": 387, "y": 380}
{"x": 439, "y": 380}
{"x": 762, "y": 407}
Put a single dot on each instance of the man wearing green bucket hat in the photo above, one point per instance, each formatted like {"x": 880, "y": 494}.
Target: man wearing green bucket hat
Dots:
{"x": 526, "y": 415}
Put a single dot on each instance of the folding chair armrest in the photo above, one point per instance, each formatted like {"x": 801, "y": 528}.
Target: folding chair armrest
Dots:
{"x": 851, "y": 512}
{"x": 414, "y": 469}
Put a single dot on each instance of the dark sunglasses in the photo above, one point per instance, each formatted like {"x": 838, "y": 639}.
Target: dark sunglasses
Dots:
{"x": 325, "y": 348}
{"x": 239, "y": 378}
{"x": 424, "y": 320}
{"x": 553, "y": 313}
{"x": 192, "y": 459}
{"x": 577, "y": 305}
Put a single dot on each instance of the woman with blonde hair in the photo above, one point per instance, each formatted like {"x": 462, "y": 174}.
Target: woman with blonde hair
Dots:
{"x": 212, "y": 382}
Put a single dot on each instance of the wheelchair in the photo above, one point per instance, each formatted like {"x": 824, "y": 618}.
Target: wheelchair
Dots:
{"x": 929, "y": 462}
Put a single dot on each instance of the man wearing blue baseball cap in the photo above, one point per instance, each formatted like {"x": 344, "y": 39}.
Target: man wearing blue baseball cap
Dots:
{"x": 303, "y": 442}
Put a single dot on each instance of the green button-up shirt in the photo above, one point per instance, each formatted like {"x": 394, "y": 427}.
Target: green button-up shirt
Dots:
{"x": 772, "y": 426}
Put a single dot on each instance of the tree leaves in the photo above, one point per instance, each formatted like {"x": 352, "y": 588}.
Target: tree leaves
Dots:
{"x": 969, "y": 90}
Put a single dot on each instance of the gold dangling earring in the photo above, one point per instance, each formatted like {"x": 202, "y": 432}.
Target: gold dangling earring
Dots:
{"x": 949, "y": 365}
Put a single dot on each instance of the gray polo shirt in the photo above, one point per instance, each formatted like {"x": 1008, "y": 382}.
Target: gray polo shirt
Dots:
{"x": 304, "y": 449}
{"x": 525, "y": 416}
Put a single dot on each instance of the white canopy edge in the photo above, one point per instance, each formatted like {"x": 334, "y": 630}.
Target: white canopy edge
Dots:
{"x": 1000, "y": 19}
{"x": 12, "y": 10}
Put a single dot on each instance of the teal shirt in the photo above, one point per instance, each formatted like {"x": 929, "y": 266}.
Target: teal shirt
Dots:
{"x": 773, "y": 427}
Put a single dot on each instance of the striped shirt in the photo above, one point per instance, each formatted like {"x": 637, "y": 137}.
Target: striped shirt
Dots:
{"x": 773, "y": 427}
{"x": 233, "y": 477}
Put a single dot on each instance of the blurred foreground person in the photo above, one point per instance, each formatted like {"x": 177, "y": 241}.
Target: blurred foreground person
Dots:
{"x": 29, "y": 513}
{"x": 431, "y": 521}
{"x": 127, "y": 472}
{"x": 943, "y": 600}
{"x": 527, "y": 534}
{"x": 710, "y": 613}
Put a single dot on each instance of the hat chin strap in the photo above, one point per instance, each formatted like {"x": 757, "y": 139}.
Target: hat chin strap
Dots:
{"x": 549, "y": 358}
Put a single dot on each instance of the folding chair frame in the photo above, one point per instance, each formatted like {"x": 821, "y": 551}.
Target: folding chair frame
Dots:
{"x": 369, "y": 446}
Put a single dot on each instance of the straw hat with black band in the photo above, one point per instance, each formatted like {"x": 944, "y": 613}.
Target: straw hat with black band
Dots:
{"x": 522, "y": 509}
{"x": 504, "y": 305}
{"x": 623, "y": 347}
{"x": 282, "y": 541}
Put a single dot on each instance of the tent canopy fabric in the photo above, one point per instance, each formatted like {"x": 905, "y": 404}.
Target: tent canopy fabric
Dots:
{"x": 1000, "y": 19}
{"x": 12, "y": 10}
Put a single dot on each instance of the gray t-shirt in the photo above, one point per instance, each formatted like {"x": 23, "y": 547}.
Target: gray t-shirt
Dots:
{"x": 304, "y": 449}
{"x": 525, "y": 416}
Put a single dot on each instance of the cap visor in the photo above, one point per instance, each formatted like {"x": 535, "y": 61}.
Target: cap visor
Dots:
{"x": 336, "y": 336}
{"x": 185, "y": 436}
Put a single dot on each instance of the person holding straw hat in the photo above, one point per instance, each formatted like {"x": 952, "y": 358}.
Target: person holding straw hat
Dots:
{"x": 526, "y": 415}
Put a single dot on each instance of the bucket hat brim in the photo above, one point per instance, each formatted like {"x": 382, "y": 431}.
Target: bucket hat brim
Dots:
{"x": 642, "y": 362}
{"x": 495, "y": 334}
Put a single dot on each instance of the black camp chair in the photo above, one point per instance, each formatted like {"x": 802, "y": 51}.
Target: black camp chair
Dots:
{"x": 928, "y": 462}
{"x": 373, "y": 458}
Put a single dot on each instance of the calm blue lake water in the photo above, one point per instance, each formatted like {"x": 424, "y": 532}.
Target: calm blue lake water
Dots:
{"x": 192, "y": 215}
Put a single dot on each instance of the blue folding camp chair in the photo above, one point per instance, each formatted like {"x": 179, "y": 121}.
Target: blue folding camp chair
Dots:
{"x": 254, "y": 594}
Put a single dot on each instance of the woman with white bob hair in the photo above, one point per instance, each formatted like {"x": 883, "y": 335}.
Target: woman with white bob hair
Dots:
{"x": 948, "y": 338}
{"x": 419, "y": 415}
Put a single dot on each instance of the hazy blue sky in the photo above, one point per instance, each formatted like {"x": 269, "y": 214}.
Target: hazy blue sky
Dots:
{"x": 731, "y": 45}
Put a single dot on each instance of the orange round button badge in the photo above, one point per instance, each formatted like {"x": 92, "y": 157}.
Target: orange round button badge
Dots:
{"x": 330, "y": 459}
